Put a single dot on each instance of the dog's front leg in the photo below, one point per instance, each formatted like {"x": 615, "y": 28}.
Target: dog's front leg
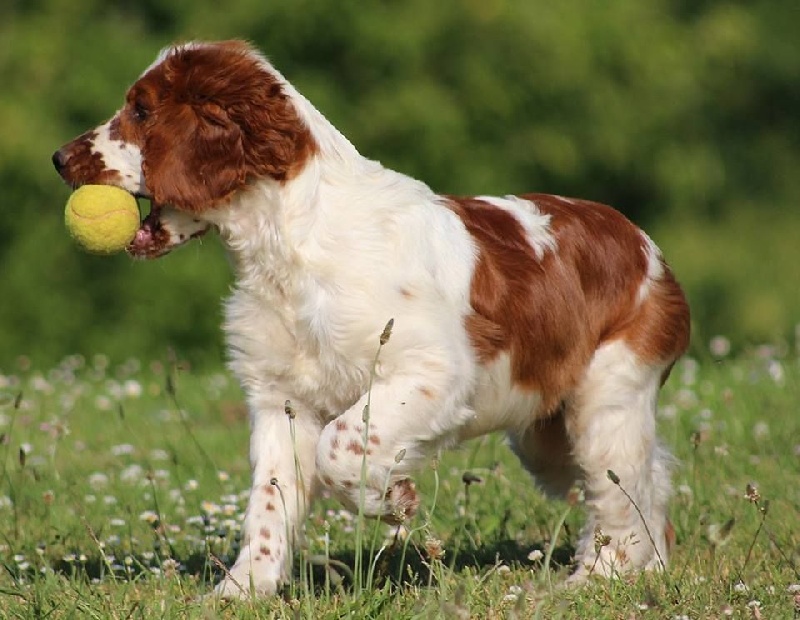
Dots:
{"x": 282, "y": 452}
{"x": 366, "y": 459}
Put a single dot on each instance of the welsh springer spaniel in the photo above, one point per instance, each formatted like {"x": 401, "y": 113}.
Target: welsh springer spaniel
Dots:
{"x": 552, "y": 319}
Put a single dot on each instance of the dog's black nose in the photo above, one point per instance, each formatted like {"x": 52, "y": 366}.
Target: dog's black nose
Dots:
{"x": 59, "y": 160}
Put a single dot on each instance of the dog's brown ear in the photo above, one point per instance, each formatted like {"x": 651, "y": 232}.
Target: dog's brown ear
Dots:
{"x": 193, "y": 157}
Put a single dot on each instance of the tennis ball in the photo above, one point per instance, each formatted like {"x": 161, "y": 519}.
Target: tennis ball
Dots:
{"x": 103, "y": 219}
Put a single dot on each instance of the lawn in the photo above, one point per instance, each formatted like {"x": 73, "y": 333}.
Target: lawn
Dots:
{"x": 123, "y": 487}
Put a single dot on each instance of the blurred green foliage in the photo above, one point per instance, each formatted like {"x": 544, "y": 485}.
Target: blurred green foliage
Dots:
{"x": 681, "y": 113}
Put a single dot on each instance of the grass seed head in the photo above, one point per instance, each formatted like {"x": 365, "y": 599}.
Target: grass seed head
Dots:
{"x": 600, "y": 539}
{"x": 751, "y": 493}
{"x": 387, "y": 332}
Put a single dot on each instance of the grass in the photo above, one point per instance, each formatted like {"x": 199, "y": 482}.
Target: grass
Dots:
{"x": 122, "y": 491}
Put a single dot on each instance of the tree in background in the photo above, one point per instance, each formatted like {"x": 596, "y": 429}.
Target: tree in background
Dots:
{"x": 681, "y": 113}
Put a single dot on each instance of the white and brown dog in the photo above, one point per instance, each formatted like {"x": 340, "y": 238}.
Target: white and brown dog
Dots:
{"x": 552, "y": 319}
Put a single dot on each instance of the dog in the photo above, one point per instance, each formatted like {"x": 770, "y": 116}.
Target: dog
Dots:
{"x": 552, "y": 319}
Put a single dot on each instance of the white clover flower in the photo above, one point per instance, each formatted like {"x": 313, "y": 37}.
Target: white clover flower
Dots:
{"x": 40, "y": 384}
{"x": 719, "y": 346}
{"x": 159, "y": 455}
{"x": 776, "y": 371}
{"x": 229, "y": 509}
{"x": 170, "y": 565}
{"x": 210, "y": 508}
{"x": 98, "y": 480}
{"x": 689, "y": 370}
{"x": 191, "y": 485}
{"x": 668, "y": 412}
{"x": 761, "y": 430}
{"x": 132, "y": 473}
{"x": 686, "y": 398}
{"x": 535, "y": 555}
{"x": 103, "y": 403}
{"x": 132, "y": 388}
{"x": 149, "y": 515}
{"x": 122, "y": 449}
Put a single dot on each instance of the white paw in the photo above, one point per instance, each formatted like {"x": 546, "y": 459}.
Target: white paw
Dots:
{"x": 240, "y": 583}
{"x": 402, "y": 502}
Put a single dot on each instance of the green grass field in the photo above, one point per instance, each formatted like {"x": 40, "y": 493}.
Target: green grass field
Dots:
{"x": 123, "y": 488}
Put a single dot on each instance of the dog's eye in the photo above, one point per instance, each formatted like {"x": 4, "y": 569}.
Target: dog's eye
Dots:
{"x": 140, "y": 113}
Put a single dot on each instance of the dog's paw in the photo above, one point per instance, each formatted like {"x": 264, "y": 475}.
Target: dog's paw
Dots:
{"x": 402, "y": 502}
{"x": 247, "y": 580}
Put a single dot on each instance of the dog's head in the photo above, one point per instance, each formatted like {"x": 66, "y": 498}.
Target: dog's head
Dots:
{"x": 201, "y": 123}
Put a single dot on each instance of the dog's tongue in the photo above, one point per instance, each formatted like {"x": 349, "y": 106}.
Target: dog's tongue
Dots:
{"x": 144, "y": 242}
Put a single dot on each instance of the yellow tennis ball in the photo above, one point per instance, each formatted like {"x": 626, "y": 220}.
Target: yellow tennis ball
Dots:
{"x": 103, "y": 219}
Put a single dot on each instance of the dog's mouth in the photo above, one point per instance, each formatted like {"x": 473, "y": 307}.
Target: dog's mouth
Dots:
{"x": 164, "y": 229}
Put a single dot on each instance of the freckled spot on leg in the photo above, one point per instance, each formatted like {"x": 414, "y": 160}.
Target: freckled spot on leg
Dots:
{"x": 335, "y": 443}
{"x": 347, "y": 484}
{"x": 359, "y": 429}
{"x": 327, "y": 480}
{"x": 258, "y": 558}
{"x": 270, "y": 506}
{"x": 355, "y": 447}
{"x": 265, "y": 551}
{"x": 406, "y": 293}
{"x": 426, "y": 392}
{"x": 269, "y": 489}
{"x": 341, "y": 425}
{"x": 264, "y": 533}
{"x": 375, "y": 440}
{"x": 669, "y": 535}
{"x": 332, "y": 456}
{"x": 432, "y": 366}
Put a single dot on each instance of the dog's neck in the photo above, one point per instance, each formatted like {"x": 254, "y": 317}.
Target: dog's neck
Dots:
{"x": 269, "y": 227}
{"x": 277, "y": 230}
